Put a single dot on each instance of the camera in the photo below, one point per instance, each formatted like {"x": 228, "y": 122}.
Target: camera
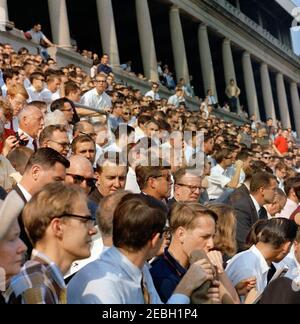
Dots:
{"x": 21, "y": 142}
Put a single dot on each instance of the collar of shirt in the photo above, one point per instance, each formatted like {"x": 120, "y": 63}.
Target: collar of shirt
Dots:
{"x": 176, "y": 266}
{"x": 26, "y": 194}
{"x": 219, "y": 169}
{"x": 127, "y": 266}
{"x": 256, "y": 204}
{"x": 263, "y": 263}
{"x": 57, "y": 274}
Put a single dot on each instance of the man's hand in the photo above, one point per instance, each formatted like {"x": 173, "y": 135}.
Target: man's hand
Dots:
{"x": 245, "y": 286}
{"x": 10, "y": 144}
{"x": 196, "y": 276}
{"x": 216, "y": 259}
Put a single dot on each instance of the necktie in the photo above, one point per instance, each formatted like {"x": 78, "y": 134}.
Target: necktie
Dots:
{"x": 262, "y": 214}
{"x": 34, "y": 143}
{"x": 146, "y": 295}
{"x": 271, "y": 272}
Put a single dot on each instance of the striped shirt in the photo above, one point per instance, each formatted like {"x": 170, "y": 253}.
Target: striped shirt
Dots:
{"x": 39, "y": 282}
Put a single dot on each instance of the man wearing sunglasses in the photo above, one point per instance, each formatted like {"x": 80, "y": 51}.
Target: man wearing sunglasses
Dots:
{"x": 81, "y": 173}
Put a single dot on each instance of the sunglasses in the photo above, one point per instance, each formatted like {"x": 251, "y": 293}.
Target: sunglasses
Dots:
{"x": 90, "y": 182}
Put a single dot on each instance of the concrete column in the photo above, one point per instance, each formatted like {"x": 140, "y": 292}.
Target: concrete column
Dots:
{"x": 267, "y": 92}
{"x": 179, "y": 52}
{"x": 229, "y": 70}
{"x": 250, "y": 85}
{"x": 207, "y": 67}
{"x": 146, "y": 39}
{"x": 296, "y": 105}
{"x": 59, "y": 23}
{"x": 283, "y": 103}
{"x": 3, "y": 14}
{"x": 108, "y": 31}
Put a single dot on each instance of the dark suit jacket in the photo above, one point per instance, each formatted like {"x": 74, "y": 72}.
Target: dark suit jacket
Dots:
{"x": 155, "y": 203}
{"x": 246, "y": 214}
{"x": 171, "y": 202}
{"x": 24, "y": 237}
{"x": 95, "y": 196}
{"x": 280, "y": 292}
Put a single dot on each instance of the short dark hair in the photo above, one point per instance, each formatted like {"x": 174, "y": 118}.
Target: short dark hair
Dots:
{"x": 59, "y": 104}
{"x": 135, "y": 222}
{"x": 278, "y": 231}
{"x": 261, "y": 179}
{"x": 82, "y": 139}
{"x": 47, "y": 158}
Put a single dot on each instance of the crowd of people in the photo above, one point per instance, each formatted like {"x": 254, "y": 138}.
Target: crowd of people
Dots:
{"x": 111, "y": 196}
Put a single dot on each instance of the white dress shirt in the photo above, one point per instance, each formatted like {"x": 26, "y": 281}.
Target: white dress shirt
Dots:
{"x": 30, "y": 143}
{"x": 131, "y": 182}
{"x": 245, "y": 265}
{"x": 34, "y": 95}
{"x": 257, "y": 206}
{"x": 153, "y": 95}
{"x": 217, "y": 182}
{"x": 48, "y": 97}
{"x": 114, "y": 279}
{"x": 25, "y": 193}
{"x": 92, "y": 99}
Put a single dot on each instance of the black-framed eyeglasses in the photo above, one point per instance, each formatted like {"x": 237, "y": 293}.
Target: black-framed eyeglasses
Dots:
{"x": 90, "y": 182}
{"x": 87, "y": 220}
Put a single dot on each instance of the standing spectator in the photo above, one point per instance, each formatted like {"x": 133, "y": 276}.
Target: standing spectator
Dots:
{"x": 212, "y": 100}
{"x": 233, "y": 92}
{"x": 104, "y": 67}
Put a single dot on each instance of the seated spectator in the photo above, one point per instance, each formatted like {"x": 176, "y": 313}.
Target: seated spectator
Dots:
{"x": 111, "y": 175}
{"x": 12, "y": 249}
{"x": 192, "y": 227}
{"x": 60, "y": 235}
{"x": 278, "y": 204}
{"x": 274, "y": 244}
{"x": 115, "y": 118}
{"x": 225, "y": 237}
{"x": 155, "y": 183}
{"x": 187, "y": 186}
{"x": 153, "y": 93}
{"x": 66, "y": 106}
{"x": 97, "y": 98}
{"x": 122, "y": 272}
{"x": 218, "y": 181}
{"x": 84, "y": 146}
{"x": 55, "y": 137}
{"x": 104, "y": 67}
{"x": 51, "y": 91}
{"x": 36, "y": 87}
{"x": 249, "y": 206}
{"x": 177, "y": 98}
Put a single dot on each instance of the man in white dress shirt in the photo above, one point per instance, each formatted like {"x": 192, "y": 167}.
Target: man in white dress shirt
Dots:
{"x": 31, "y": 123}
{"x": 97, "y": 98}
{"x": 154, "y": 92}
{"x": 121, "y": 275}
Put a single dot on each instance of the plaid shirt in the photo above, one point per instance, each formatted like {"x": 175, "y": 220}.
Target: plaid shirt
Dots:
{"x": 39, "y": 282}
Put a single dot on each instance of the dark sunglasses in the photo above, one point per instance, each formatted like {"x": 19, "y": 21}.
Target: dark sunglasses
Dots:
{"x": 90, "y": 182}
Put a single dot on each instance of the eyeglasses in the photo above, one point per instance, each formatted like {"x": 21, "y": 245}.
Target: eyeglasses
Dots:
{"x": 192, "y": 188}
{"x": 127, "y": 114}
{"x": 64, "y": 145}
{"x": 267, "y": 157}
{"x": 88, "y": 220}
{"x": 90, "y": 182}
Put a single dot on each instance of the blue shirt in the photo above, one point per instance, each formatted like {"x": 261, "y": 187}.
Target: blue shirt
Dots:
{"x": 105, "y": 69}
{"x": 166, "y": 273}
{"x": 114, "y": 279}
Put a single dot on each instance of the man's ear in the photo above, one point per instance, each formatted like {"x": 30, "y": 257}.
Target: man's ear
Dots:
{"x": 180, "y": 233}
{"x": 56, "y": 228}
{"x": 36, "y": 172}
{"x": 155, "y": 240}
